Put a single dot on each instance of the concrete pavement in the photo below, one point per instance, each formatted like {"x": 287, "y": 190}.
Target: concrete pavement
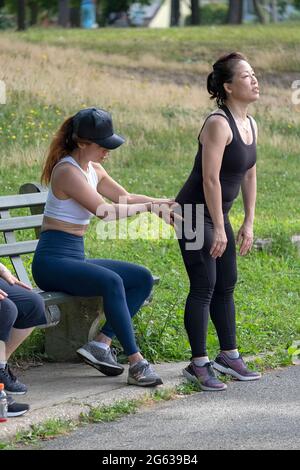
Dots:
{"x": 64, "y": 390}
{"x": 262, "y": 413}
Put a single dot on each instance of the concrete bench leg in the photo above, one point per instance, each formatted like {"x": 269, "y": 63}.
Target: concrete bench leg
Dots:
{"x": 80, "y": 322}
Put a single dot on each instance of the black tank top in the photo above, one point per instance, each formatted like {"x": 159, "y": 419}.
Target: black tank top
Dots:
{"x": 238, "y": 157}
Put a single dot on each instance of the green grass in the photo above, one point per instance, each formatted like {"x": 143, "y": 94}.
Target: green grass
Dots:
{"x": 108, "y": 413}
{"x": 156, "y": 161}
{"x": 179, "y": 44}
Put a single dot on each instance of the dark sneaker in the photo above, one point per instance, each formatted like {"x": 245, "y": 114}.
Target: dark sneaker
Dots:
{"x": 103, "y": 360}
{"x": 143, "y": 375}
{"x": 235, "y": 367}
{"x": 204, "y": 376}
{"x": 15, "y": 409}
{"x": 11, "y": 383}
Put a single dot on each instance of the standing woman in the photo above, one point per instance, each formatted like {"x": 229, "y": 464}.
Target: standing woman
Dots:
{"x": 226, "y": 161}
{"x": 78, "y": 184}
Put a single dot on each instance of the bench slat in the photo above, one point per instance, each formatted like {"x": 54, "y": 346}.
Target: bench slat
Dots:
{"x": 18, "y": 248}
{"x": 20, "y": 270}
{"x": 18, "y": 223}
{"x": 22, "y": 200}
{"x": 16, "y": 261}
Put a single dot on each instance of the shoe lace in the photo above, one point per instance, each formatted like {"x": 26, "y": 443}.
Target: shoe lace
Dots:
{"x": 6, "y": 373}
{"x": 148, "y": 368}
{"x": 10, "y": 374}
{"x": 210, "y": 369}
{"x": 114, "y": 354}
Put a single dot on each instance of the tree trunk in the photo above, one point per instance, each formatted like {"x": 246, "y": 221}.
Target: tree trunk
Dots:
{"x": 235, "y": 12}
{"x": 63, "y": 13}
{"x": 274, "y": 11}
{"x": 259, "y": 10}
{"x": 175, "y": 12}
{"x": 21, "y": 15}
{"x": 195, "y": 8}
{"x": 34, "y": 10}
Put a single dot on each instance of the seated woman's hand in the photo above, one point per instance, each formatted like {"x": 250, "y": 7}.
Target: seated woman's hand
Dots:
{"x": 12, "y": 280}
{"x": 169, "y": 202}
{"x": 3, "y": 295}
{"x": 169, "y": 213}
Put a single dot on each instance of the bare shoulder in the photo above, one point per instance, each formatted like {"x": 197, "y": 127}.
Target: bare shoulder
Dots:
{"x": 99, "y": 170}
{"x": 63, "y": 169}
{"x": 64, "y": 177}
{"x": 216, "y": 125}
{"x": 216, "y": 121}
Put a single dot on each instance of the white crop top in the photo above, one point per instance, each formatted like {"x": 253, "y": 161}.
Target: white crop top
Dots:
{"x": 69, "y": 210}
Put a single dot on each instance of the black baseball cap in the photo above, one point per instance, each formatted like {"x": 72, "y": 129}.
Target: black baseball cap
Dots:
{"x": 96, "y": 125}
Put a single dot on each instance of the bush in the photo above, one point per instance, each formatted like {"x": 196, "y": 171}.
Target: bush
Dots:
{"x": 215, "y": 13}
{"x": 6, "y": 21}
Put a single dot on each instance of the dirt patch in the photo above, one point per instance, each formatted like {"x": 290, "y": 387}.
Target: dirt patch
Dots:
{"x": 278, "y": 80}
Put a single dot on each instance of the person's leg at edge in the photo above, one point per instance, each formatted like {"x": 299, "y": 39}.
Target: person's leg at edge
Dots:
{"x": 10, "y": 339}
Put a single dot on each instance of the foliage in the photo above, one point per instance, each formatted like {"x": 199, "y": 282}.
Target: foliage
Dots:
{"x": 215, "y": 13}
{"x": 6, "y": 21}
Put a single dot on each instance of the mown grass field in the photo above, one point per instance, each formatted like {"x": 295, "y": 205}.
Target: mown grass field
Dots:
{"x": 153, "y": 82}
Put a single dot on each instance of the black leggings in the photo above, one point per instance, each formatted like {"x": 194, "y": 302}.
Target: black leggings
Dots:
{"x": 212, "y": 283}
{"x": 22, "y": 309}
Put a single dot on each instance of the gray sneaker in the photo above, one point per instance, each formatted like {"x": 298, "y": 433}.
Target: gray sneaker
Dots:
{"x": 104, "y": 360}
{"x": 143, "y": 375}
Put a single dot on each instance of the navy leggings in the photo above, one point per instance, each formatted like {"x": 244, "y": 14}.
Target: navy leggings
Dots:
{"x": 59, "y": 264}
{"x": 21, "y": 309}
{"x": 212, "y": 283}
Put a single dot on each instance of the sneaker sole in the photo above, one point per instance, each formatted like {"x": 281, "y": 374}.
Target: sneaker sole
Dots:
{"x": 16, "y": 414}
{"x": 227, "y": 370}
{"x": 106, "y": 369}
{"x": 193, "y": 379}
{"x": 132, "y": 381}
{"x": 15, "y": 393}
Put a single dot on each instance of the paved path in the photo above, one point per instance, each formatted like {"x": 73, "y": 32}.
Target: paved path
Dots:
{"x": 254, "y": 415}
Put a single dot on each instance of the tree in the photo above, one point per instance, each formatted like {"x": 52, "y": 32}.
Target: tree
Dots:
{"x": 235, "y": 11}
{"x": 34, "y": 10}
{"x": 274, "y": 11}
{"x": 195, "y": 8}
{"x": 175, "y": 12}
{"x": 259, "y": 6}
{"x": 63, "y": 13}
{"x": 21, "y": 9}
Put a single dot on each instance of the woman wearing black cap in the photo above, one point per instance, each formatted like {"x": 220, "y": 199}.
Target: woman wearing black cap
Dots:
{"x": 78, "y": 184}
{"x": 226, "y": 161}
